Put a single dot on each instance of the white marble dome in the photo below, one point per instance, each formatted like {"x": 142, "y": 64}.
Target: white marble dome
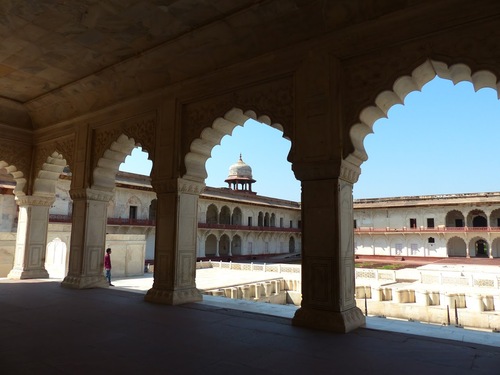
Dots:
{"x": 240, "y": 170}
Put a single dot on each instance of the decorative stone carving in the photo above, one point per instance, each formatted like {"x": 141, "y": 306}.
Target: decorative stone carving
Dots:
{"x": 91, "y": 194}
{"x": 189, "y": 187}
{"x": 142, "y": 128}
{"x": 179, "y": 185}
{"x": 349, "y": 172}
{"x": 64, "y": 146}
{"x": 18, "y": 155}
{"x": 368, "y": 75}
{"x": 273, "y": 98}
{"x": 33, "y": 200}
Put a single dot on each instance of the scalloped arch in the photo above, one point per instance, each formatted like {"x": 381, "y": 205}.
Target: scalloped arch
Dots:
{"x": 107, "y": 166}
{"x": 45, "y": 182}
{"x": 402, "y": 87}
{"x": 18, "y": 178}
{"x": 201, "y": 148}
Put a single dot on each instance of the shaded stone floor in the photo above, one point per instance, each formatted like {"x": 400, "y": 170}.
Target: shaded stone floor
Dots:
{"x": 47, "y": 329}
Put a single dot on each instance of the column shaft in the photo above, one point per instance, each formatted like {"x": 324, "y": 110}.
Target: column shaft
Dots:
{"x": 328, "y": 258}
{"x": 88, "y": 239}
{"x": 175, "y": 245}
{"x": 31, "y": 240}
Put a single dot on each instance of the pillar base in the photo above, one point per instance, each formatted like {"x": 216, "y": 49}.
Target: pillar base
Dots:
{"x": 173, "y": 297}
{"x": 21, "y": 274}
{"x": 335, "y": 321}
{"x": 84, "y": 282}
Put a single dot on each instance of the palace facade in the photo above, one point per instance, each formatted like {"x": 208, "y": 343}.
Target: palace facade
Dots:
{"x": 450, "y": 225}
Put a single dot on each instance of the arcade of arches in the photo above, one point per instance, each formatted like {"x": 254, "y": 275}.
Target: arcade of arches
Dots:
{"x": 323, "y": 72}
{"x": 448, "y": 225}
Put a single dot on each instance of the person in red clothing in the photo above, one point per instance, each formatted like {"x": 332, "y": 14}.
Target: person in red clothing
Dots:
{"x": 107, "y": 265}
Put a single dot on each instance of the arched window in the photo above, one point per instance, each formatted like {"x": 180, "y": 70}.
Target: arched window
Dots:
{"x": 212, "y": 214}
{"x": 266, "y": 219}
{"x": 225, "y": 215}
{"x": 237, "y": 216}
{"x": 260, "y": 220}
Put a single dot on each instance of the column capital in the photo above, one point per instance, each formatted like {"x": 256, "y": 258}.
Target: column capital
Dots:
{"x": 34, "y": 200}
{"x": 316, "y": 170}
{"x": 349, "y": 172}
{"x": 326, "y": 170}
{"x": 91, "y": 194}
{"x": 178, "y": 185}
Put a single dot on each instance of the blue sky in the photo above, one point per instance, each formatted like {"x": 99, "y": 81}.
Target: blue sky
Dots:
{"x": 443, "y": 140}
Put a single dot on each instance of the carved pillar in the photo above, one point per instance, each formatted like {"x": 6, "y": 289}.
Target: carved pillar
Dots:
{"x": 318, "y": 160}
{"x": 328, "y": 256}
{"x": 88, "y": 239}
{"x": 31, "y": 241}
{"x": 175, "y": 249}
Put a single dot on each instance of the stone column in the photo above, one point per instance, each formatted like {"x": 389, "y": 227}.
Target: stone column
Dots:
{"x": 31, "y": 241}
{"x": 217, "y": 253}
{"x": 176, "y": 235}
{"x": 328, "y": 285}
{"x": 88, "y": 239}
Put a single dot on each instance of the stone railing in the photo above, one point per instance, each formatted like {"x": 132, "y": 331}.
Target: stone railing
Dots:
{"x": 246, "y": 227}
{"x": 258, "y": 267}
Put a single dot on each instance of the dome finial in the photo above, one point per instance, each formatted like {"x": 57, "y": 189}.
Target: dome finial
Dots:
{"x": 240, "y": 157}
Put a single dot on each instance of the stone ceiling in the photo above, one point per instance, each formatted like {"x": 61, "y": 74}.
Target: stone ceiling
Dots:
{"x": 62, "y": 58}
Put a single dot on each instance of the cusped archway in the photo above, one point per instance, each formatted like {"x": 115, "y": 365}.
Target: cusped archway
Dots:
{"x": 212, "y": 214}
{"x": 201, "y": 148}
{"x": 454, "y": 219}
{"x": 401, "y": 88}
{"x": 109, "y": 162}
{"x": 477, "y": 219}
{"x": 479, "y": 247}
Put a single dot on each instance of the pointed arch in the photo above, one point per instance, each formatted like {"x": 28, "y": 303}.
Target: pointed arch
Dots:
{"x": 212, "y": 216}
{"x": 237, "y": 216}
{"x": 401, "y": 88}
{"x": 201, "y": 148}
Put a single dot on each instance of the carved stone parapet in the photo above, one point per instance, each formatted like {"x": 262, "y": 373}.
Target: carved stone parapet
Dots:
{"x": 349, "y": 172}
{"x": 91, "y": 195}
{"x": 335, "y": 321}
{"x": 34, "y": 200}
{"x": 173, "y": 297}
{"x": 178, "y": 185}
